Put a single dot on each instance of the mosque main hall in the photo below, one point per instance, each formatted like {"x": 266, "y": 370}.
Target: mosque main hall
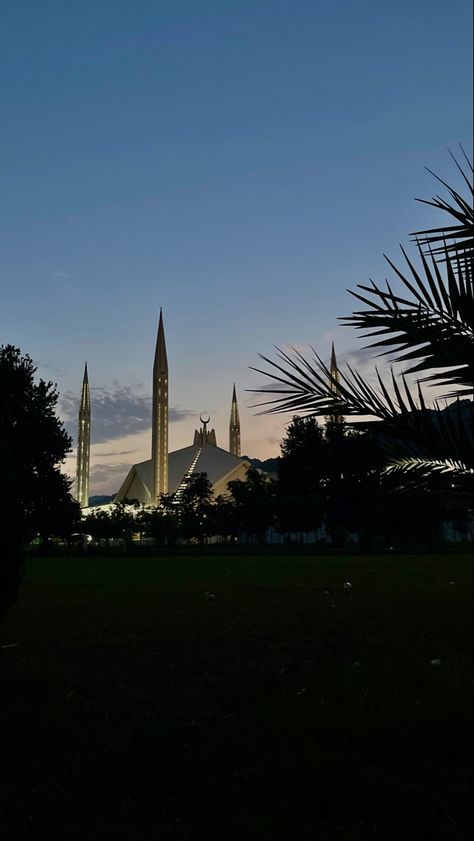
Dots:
{"x": 165, "y": 472}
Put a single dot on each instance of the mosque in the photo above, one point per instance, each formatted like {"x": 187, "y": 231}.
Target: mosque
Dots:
{"x": 165, "y": 472}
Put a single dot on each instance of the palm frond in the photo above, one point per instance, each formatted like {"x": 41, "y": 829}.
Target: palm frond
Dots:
{"x": 428, "y": 326}
{"x": 405, "y": 426}
{"x": 411, "y": 463}
{"x": 444, "y": 436}
{"x": 456, "y": 238}
{"x": 432, "y": 327}
{"x": 433, "y": 475}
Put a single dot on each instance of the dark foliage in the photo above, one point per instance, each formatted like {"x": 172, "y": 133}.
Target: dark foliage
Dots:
{"x": 335, "y": 476}
{"x": 159, "y": 524}
{"x": 268, "y": 465}
{"x": 253, "y": 504}
{"x": 34, "y": 495}
{"x": 195, "y": 509}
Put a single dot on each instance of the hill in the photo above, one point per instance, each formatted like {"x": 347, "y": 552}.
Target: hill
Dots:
{"x": 268, "y": 466}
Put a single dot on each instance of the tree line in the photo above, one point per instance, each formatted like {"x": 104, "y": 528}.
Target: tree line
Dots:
{"x": 331, "y": 484}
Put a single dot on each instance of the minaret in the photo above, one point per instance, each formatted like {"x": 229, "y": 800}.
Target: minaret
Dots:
{"x": 83, "y": 444}
{"x": 234, "y": 427}
{"x": 159, "y": 435}
{"x": 334, "y": 384}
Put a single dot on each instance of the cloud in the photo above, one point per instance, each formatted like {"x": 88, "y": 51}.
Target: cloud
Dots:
{"x": 107, "y": 478}
{"x": 357, "y": 356}
{"x": 366, "y": 361}
{"x": 291, "y": 347}
{"x": 116, "y": 412}
{"x": 100, "y": 473}
{"x": 50, "y": 368}
{"x": 117, "y": 453}
{"x": 64, "y": 283}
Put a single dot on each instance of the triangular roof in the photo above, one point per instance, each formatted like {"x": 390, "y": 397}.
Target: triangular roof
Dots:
{"x": 218, "y": 464}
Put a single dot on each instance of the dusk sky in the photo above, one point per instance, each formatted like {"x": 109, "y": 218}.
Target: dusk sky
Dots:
{"x": 240, "y": 164}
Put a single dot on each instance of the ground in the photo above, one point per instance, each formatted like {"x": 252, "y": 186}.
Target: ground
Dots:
{"x": 225, "y": 698}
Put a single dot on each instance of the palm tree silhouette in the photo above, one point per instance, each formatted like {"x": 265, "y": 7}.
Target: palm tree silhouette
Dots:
{"x": 427, "y": 323}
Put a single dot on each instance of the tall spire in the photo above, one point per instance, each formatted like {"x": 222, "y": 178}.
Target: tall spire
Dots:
{"x": 83, "y": 444}
{"x": 234, "y": 427}
{"x": 334, "y": 371}
{"x": 334, "y": 384}
{"x": 159, "y": 435}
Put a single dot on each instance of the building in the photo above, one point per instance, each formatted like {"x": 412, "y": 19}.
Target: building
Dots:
{"x": 234, "y": 427}
{"x": 168, "y": 473}
{"x": 83, "y": 443}
{"x": 220, "y": 466}
{"x": 334, "y": 386}
{"x": 160, "y": 423}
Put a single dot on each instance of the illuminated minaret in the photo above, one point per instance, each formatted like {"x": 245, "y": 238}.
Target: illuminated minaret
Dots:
{"x": 334, "y": 384}
{"x": 159, "y": 435}
{"x": 83, "y": 444}
{"x": 234, "y": 427}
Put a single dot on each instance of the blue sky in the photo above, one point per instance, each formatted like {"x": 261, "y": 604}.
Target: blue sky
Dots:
{"x": 240, "y": 164}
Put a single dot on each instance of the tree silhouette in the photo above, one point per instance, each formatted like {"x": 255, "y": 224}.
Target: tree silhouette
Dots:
{"x": 253, "y": 500}
{"x": 33, "y": 442}
{"x": 195, "y": 508}
{"x": 159, "y": 523}
{"x": 329, "y": 475}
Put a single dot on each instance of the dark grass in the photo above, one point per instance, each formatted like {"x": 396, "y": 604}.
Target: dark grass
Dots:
{"x": 136, "y": 708}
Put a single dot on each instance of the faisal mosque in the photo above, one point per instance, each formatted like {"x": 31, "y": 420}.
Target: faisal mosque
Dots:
{"x": 165, "y": 472}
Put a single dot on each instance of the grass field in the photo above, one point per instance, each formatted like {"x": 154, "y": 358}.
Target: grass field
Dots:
{"x": 225, "y": 698}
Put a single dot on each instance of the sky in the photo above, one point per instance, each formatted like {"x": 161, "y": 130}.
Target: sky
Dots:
{"x": 240, "y": 163}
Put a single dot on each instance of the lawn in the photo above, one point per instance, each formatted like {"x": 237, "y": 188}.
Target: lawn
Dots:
{"x": 225, "y": 698}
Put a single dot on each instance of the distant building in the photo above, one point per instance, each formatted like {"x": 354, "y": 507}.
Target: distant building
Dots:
{"x": 220, "y": 466}
{"x": 164, "y": 472}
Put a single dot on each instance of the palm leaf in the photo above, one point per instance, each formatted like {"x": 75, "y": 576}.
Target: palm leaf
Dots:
{"x": 406, "y": 428}
{"x": 428, "y": 325}
{"x": 432, "y": 327}
{"x": 431, "y": 477}
{"x": 457, "y": 238}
